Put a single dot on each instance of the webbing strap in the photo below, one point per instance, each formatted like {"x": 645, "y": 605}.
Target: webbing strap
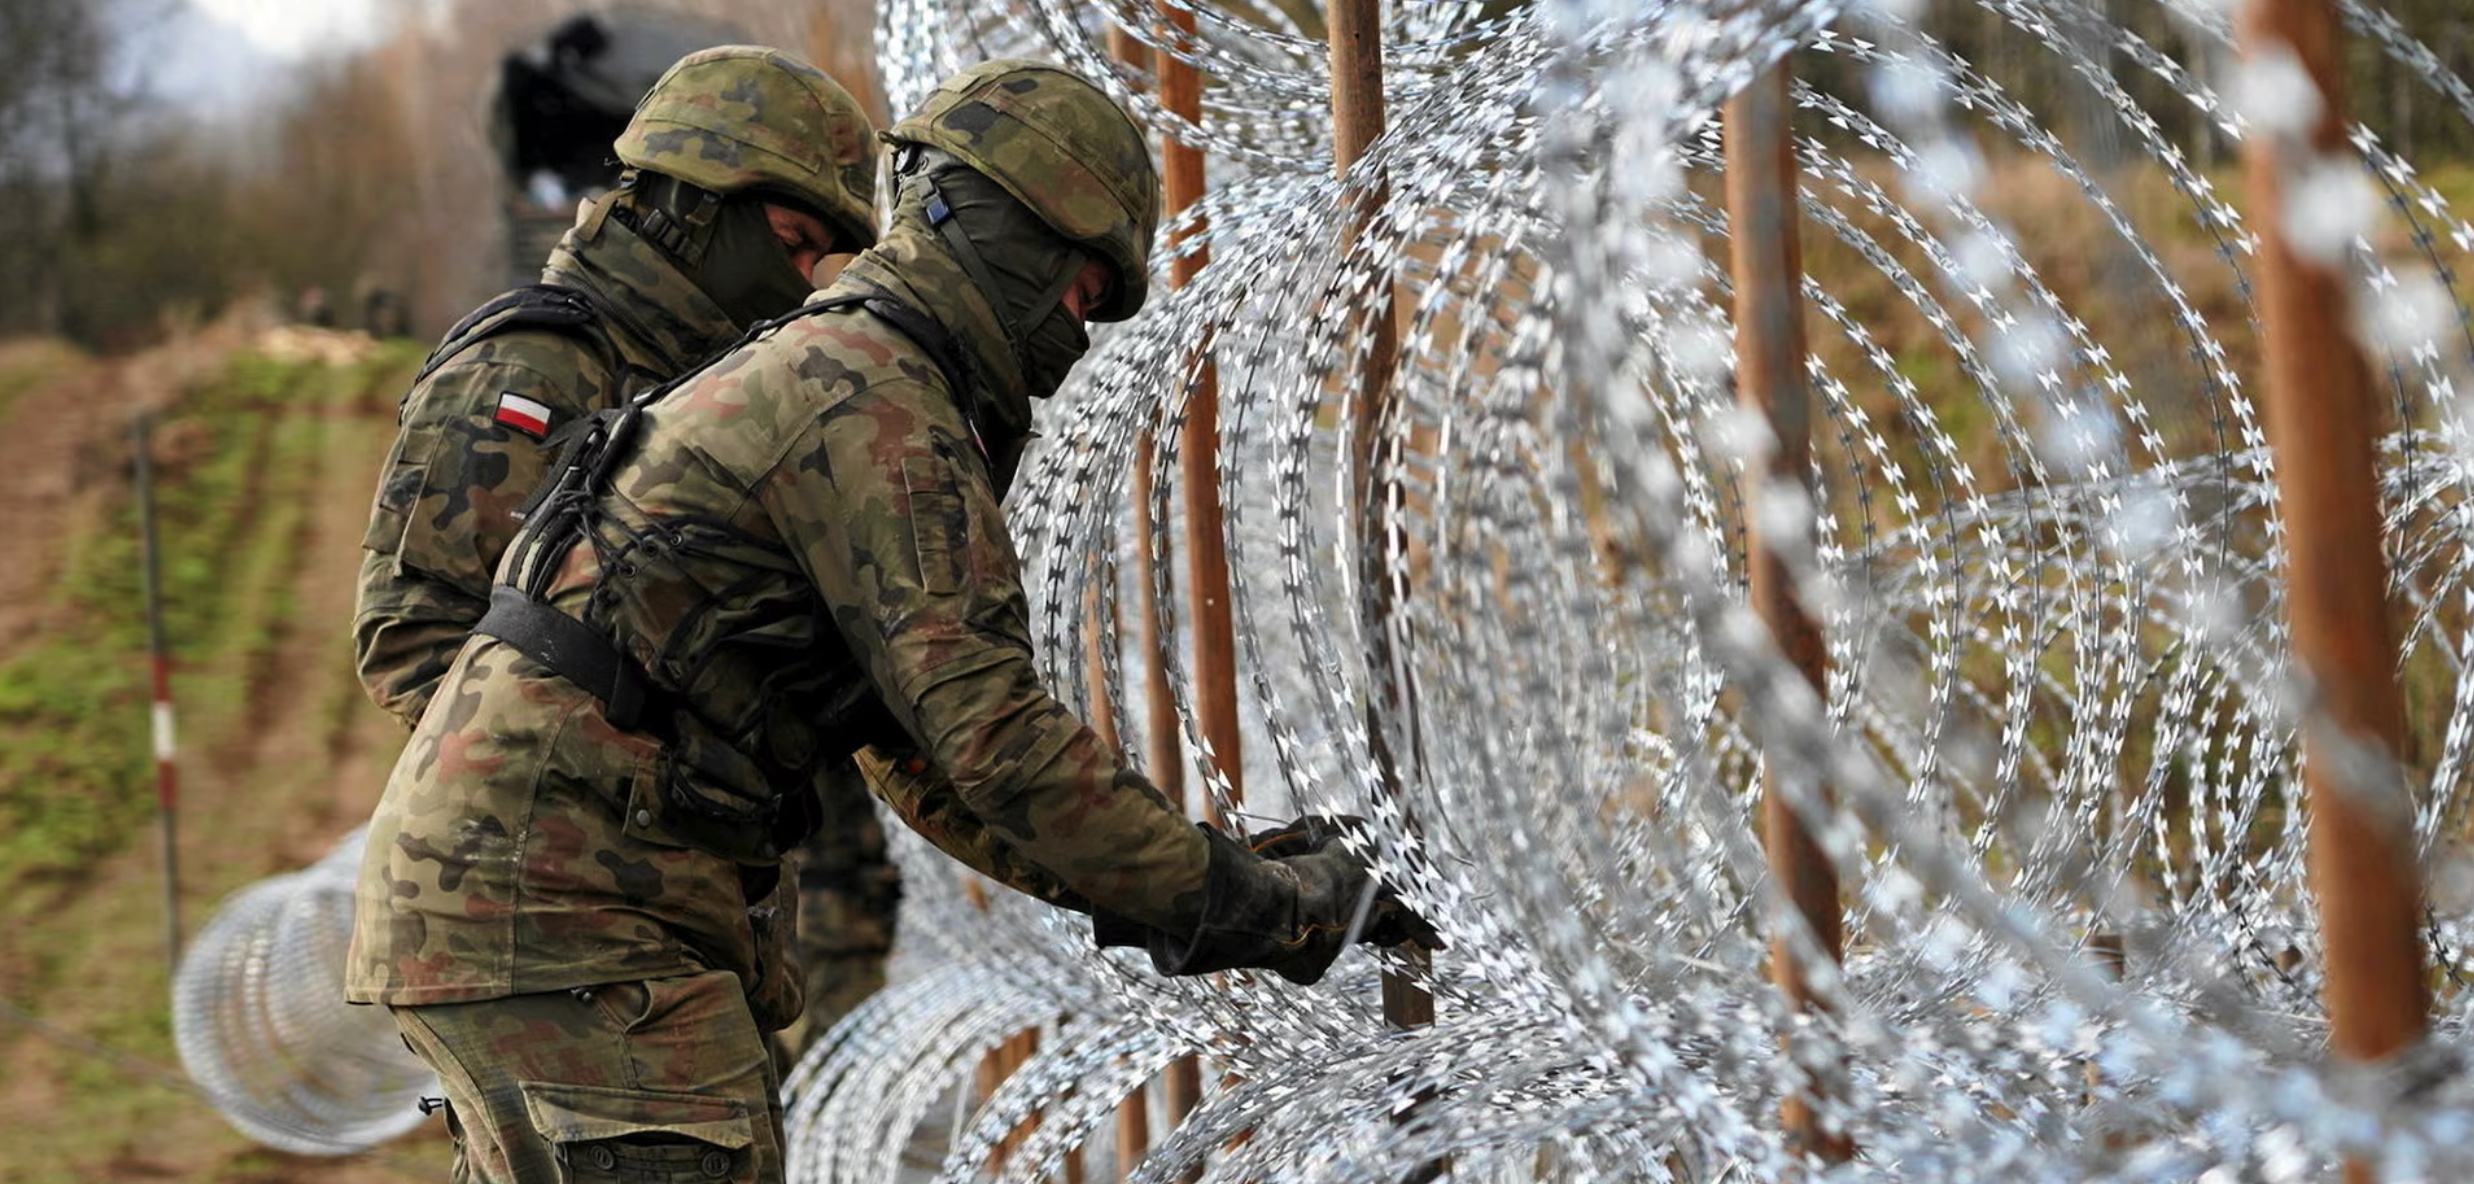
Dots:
{"x": 958, "y": 241}
{"x": 533, "y": 306}
{"x": 574, "y": 651}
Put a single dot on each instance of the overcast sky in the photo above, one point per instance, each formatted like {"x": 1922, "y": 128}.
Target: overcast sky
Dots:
{"x": 219, "y": 58}
{"x": 291, "y": 28}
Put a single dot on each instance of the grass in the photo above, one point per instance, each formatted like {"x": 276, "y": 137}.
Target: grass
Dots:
{"x": 242, "y": 463}
{"x": 233, "y": 496}
{"x": 74, "y": 769}
{"x": 25, "y": 365}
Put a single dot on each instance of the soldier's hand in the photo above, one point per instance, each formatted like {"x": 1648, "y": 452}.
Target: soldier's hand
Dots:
{"x": 1388, "y": 921}
{"x": 1292, "y": 914}
{"x": 1395, "y": 924}
{"x": 1305, "y": 835}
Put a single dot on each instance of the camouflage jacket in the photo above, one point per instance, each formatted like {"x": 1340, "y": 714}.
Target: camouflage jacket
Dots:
{"x": 471, "y": 449}
{"x": 808, "y": 521}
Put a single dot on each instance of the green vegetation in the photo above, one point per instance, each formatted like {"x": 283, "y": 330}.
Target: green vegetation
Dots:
{"x": 246, "y": 464}
{"x": 25, "y": 365}
{"x": 235, "y": 462}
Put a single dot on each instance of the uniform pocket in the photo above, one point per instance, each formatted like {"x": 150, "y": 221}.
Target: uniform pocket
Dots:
{"x": 707, "y": 798}
{"x": 605, "y": 1136}
{"x": 399, "y": 490}
{"x": 940, "y": 523}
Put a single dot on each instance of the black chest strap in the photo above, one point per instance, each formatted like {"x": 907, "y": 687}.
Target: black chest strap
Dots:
{"x": 578, "y": 653}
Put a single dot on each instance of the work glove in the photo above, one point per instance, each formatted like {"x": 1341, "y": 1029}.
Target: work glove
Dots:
{"x": 1388, "y": 922}
{"x": 1289, "y": 913}
{"x": 1304, "y": 836}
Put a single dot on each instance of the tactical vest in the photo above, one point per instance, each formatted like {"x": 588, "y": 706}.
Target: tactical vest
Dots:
{"x": 740, "y": 796}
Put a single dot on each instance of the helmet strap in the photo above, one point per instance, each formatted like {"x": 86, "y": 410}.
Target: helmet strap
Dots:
{"x": 941, "y": 217}
{"x": 1017, "y": 336}
{"x": 590, "y": 229}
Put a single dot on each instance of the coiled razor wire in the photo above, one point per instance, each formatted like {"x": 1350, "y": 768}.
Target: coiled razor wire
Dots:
{"x": 259, "y": 1015}
{"x": 2059, "y": 724}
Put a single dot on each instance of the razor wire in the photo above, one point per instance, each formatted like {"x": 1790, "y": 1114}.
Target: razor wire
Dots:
{"x": 2060, "y": 717}
{"x": 258, "y": 1014}
{"x": 2060, "y": 714}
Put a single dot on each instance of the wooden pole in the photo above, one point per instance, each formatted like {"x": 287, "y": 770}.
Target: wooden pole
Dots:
{"x": 1207, "y": 575}
{"x": 1099, "y": 620}
{"x": 1357, "y": 120}
{"x": 2320, "y": 421}
{"x": 167, "y": 773}
{"x": 1215, "y": 630}
{"x": 1768, "y": 264}
{"x": 1124, "y": 46}
{"x": 1133, "y": 1130}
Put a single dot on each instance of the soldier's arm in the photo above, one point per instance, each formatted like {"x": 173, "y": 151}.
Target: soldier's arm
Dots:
{"x": 897, "y": 525}
{"x": 466, "y": 457}
{"x": 924, "y": 799}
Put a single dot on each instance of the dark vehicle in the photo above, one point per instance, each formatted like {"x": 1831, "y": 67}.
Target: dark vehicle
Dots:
{"x": 562, "y": 101}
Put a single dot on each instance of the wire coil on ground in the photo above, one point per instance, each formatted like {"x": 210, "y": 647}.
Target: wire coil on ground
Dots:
{"x": 259, "y": 1015}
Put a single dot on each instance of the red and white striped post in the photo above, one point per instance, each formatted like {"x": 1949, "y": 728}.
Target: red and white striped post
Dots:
{"x": 167, "y": 773}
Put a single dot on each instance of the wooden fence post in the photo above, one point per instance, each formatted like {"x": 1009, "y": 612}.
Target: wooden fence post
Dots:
{"x": 2320, "y": 421}
{"x": 1768, "y": 266}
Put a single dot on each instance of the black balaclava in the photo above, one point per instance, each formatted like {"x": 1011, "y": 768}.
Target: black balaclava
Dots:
{"x": 1021, "y": 265}
{"x": 725, "y": 245}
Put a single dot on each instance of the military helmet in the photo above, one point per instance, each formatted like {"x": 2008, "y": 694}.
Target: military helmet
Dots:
{"x": 743, "y": 118}
{"x": 1060, "y": 146}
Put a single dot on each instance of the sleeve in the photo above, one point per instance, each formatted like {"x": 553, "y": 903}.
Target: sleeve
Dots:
{"x": 470, "y": 451}
{"x": 904, "y": 538}
{"x": 925, "y": 801}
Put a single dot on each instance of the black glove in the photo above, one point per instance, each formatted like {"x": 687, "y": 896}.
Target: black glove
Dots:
{"x": 1110, "y": 931}
{"x": 1243, "y": 900}
{"x": 1291, "y": 914}
{"x": 1388, "y": 922}
{"x": 1305, "y": 836}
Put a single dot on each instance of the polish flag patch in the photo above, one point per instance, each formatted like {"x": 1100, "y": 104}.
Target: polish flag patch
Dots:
{"x": 524, "y": 415}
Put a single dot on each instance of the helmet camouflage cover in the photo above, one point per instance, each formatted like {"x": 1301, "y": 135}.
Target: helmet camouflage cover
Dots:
{"x": 1063, "y": 148}
{"x": 742, "y": 118}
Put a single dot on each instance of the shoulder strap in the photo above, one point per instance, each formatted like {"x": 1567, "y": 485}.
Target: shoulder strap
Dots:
{"x": 596, "y": 443}
{"x": 924, "y": 332}
{"x": 930, "y": 337}
{"x": 554, "y": 307}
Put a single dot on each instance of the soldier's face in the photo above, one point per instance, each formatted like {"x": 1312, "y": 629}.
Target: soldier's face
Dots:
{"x": 1090, "y": 288}
{"x": 804, "y": 236}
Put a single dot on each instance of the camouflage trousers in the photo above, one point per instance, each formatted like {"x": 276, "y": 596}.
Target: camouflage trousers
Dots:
{"x": 625, "y": 1083}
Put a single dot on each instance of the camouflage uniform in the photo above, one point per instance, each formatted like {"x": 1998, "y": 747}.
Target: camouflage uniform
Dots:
{"x": 802, "y": 548}
{"x": 444, "y": 509}
{"x": 725, "y": 121}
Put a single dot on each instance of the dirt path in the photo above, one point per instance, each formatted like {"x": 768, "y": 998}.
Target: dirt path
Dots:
{"x": 269, "y": 783}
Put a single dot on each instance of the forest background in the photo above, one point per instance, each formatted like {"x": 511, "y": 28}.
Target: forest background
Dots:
{"x": 131, "y": 212}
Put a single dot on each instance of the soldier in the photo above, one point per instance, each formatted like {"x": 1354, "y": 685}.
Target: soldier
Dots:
{"x": 745, "y": 168}
{"x": 797, "y": 551}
